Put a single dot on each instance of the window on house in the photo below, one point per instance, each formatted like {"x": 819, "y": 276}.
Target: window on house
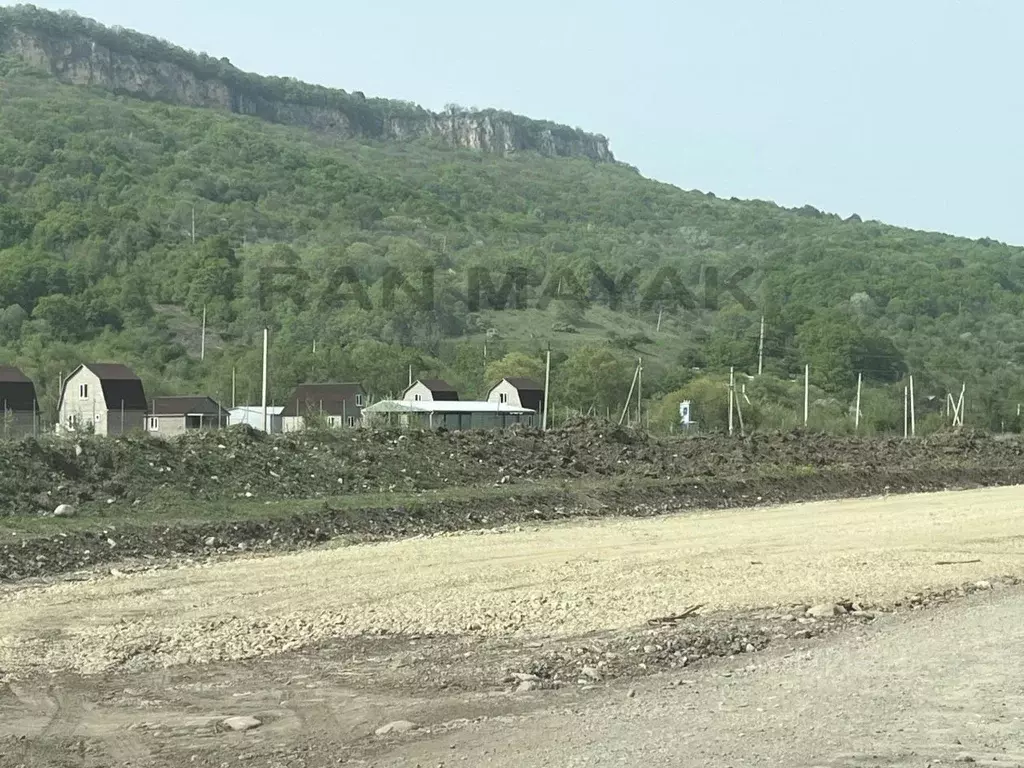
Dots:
{"x": 359, "y": 401}
{"x": 419, "y": 397}
{"x": 154, "y": 423}
{"x": 351, "y": 421}
{"x": 83, "y": 391}
{"x": 503, "y": 397}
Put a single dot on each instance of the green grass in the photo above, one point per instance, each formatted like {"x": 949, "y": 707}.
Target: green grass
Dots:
{"x": 176, "y": 511}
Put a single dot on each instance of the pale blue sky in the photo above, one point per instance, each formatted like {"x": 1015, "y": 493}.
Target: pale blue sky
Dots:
{"x": 908, "y": 111}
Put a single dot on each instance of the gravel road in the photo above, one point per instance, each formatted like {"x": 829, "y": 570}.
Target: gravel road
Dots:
{"x": 562, "y": 580}
{"x": 941, "y": 688}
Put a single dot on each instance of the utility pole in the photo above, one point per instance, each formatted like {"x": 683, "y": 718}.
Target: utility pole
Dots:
{"x": 232, "y": 387}
{"x": 807, "y": 393}
{"x": 547, "y": 389}
{"x": 629, "y": 397}
{"x": 639, "y": 391}
{"x": 856, "y": 416}
{"x": 193, "y": 224}
{"x": 732, "y": 396}
{"x": 760, "y": 349}
{"x": 906, "y": 412}
{"x": 202, "y": 347}
{"x": 660, "y": 311}
{"x": 913, "y": 420}
{"x": 266, "y": 334}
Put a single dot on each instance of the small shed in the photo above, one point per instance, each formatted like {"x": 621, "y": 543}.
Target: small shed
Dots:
{"x": 176, "y": 415}
{"x": 252, "y": 416}
{"x": 431, "y": 391}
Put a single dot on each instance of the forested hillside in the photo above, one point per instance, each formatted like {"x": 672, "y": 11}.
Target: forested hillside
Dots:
{"x": 306, "y": 233}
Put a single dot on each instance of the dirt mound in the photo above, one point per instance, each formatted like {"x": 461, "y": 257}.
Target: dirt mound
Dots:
{"x": 38, "y": 475}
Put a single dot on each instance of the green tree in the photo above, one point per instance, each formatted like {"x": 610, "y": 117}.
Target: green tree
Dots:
{"x": 593, "y": 378}
{"x": 515, "y": 364}
{"x": 64, "y": 316}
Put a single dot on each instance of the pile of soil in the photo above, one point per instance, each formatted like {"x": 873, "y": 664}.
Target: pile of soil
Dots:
{"x": 38, "y": 475}
{"x": 117, "y": 541}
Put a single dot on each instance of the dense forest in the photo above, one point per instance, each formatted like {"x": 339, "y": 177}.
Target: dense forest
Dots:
{"x": 122, "y": 222}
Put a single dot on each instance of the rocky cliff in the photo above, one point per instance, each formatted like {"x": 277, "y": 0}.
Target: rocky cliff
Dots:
{"x": 82, "y": 52}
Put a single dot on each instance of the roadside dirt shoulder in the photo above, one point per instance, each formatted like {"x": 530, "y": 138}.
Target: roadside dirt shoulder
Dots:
{"x": 545, "y": 581}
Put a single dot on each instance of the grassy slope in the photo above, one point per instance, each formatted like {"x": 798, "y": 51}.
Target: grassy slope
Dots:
{"x": 104, "y": 185}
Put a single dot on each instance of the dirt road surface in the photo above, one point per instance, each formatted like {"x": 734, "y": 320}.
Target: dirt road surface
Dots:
{"x": 566, "y": 580}
{"x": 940, "y": 688}
{"x": 140, "y": 668}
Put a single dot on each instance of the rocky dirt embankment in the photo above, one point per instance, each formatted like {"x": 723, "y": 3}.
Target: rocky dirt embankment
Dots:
{"x": 36, "y": 476}
{"x": 513, "y": 478}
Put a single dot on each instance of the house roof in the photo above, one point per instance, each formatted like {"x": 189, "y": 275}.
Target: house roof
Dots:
{"x": 112, "y": 371}
{"x": 17, "y": 392}
{"x": 439, "y": 388}
{"x": 524, "y": 384}
{"x": 121, "y": 387}
{"x": 331, "y": 399}
{"x": 444, "y": 406}
{"x": 8, "y": 373}
{"x": 186, "y": 405}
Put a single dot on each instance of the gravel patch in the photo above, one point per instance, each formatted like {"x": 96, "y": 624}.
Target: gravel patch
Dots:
{"x": 561, "y": 581}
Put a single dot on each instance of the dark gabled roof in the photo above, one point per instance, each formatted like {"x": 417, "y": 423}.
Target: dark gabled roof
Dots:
{"x": 8, "y": 373}
{"x": 121, "y": 387}
{"x": 17, "y": 392}
{"x": 112, "y": 371}
{"x": 440, "y": 389}
{"x": 524, "y": 384}
{"x": 186, "y": 405}
{"x": 331, "y": 399}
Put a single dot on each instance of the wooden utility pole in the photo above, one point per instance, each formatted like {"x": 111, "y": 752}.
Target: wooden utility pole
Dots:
{"x": 202, "y": 343}
{"x": 547, "y": 389}
{"x": 639, "y": 391}
{"x": 856, "y": 415}
{"x": 760, "y": 349}
{"x": 232, "y": 387}
{"x": 629, "y": 397}
{"x": 266, "y": 335}
{"x": 739, "y": 415}
{"x": 958, "y": 407}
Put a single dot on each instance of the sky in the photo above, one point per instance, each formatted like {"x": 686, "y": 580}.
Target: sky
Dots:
{"x": 905, "y": 111}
